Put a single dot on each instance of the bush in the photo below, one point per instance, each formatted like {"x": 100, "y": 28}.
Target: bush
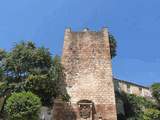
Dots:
{"x": 151, "y": 114}
{"x": 42, "y": 86}
{"x": 134, "y": 106}
{"x": 156, "y": 92}
{"x": 23, "y": 106}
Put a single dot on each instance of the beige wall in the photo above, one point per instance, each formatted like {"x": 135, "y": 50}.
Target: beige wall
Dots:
{"x": 133, "y": 89}
{"x": 87, "y": 62}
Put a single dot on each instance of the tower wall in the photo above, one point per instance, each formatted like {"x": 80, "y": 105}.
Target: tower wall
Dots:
{"x": 87, "y": 62}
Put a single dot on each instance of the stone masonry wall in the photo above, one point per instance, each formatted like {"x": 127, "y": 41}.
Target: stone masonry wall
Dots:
{"x": 87, "y": 62}
{"x": 133, "y": 89}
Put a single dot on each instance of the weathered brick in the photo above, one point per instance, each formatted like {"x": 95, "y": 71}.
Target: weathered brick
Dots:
{"x": 87, "y": 62}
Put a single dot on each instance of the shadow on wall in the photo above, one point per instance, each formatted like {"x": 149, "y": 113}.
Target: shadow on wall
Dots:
{"x": 62, "y": 109}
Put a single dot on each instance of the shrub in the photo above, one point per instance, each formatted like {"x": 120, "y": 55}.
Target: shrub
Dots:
{"x": 42, "y": 86}
{"x": 156, "y": 92}
{"x": 151, "y": 114}
{"x": 23, "y": 106}
{"x": 134, "y": 106}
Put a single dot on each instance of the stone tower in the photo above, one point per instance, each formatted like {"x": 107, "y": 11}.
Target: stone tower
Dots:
{"x": 87, "y": 62}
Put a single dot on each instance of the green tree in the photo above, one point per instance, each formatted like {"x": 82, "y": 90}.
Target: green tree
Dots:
{"x": 24, "y": 59}
{"x": 42, "y": 86}
{"x": 2, "y": 56}
{"x": 23, "y": 106}
{"x": 56, "y": 74}
{"x": 47, "y": 86}
{"x": 113, "y": 45}
{"x": 134, "y": 106}
{"x": 156, "y": 91}
{"x": 31, "y": 68}
{"x": 1, "y": 74}
{"x": 151, "y": 114}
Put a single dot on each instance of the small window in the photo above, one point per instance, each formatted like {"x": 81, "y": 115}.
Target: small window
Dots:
{"x": 129, "y": 88}
{"x": 140, "y": 89}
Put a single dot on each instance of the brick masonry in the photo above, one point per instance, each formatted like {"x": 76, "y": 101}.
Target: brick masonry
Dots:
{"x": 87, "y": 62}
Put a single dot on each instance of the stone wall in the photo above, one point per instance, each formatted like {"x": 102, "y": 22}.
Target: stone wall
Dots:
{"x": 132, "y": 88}
{"x": 87, "y": 62}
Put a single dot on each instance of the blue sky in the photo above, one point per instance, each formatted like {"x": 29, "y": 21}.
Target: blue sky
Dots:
{"x": 134, "y": 23}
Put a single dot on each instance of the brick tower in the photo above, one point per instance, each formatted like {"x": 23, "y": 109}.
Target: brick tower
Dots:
{"x": 87, "y": 62}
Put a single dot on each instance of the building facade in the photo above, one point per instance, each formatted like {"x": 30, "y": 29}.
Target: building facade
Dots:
{"x": 132, "y": 88}
{"x": 129, "y": 88}
{"x": 87, "y": 62}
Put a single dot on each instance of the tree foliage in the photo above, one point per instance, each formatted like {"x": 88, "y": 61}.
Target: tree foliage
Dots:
{"x": 2, "y": 55}
{"x": 24, "y": 59}
{"x": 42, "y": 86}
{"x": 23, "y": 106}
{"x": 134, "y": 106}
{"x": 113, "y": 45}
{"x": 47, "y": 86}
{"x": 30, "y": 68}
{"x": 156, "y": 92}
{"x": 151, "y": 114}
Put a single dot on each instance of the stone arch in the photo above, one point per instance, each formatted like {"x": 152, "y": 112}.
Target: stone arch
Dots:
{"x": 84, "y": 101}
